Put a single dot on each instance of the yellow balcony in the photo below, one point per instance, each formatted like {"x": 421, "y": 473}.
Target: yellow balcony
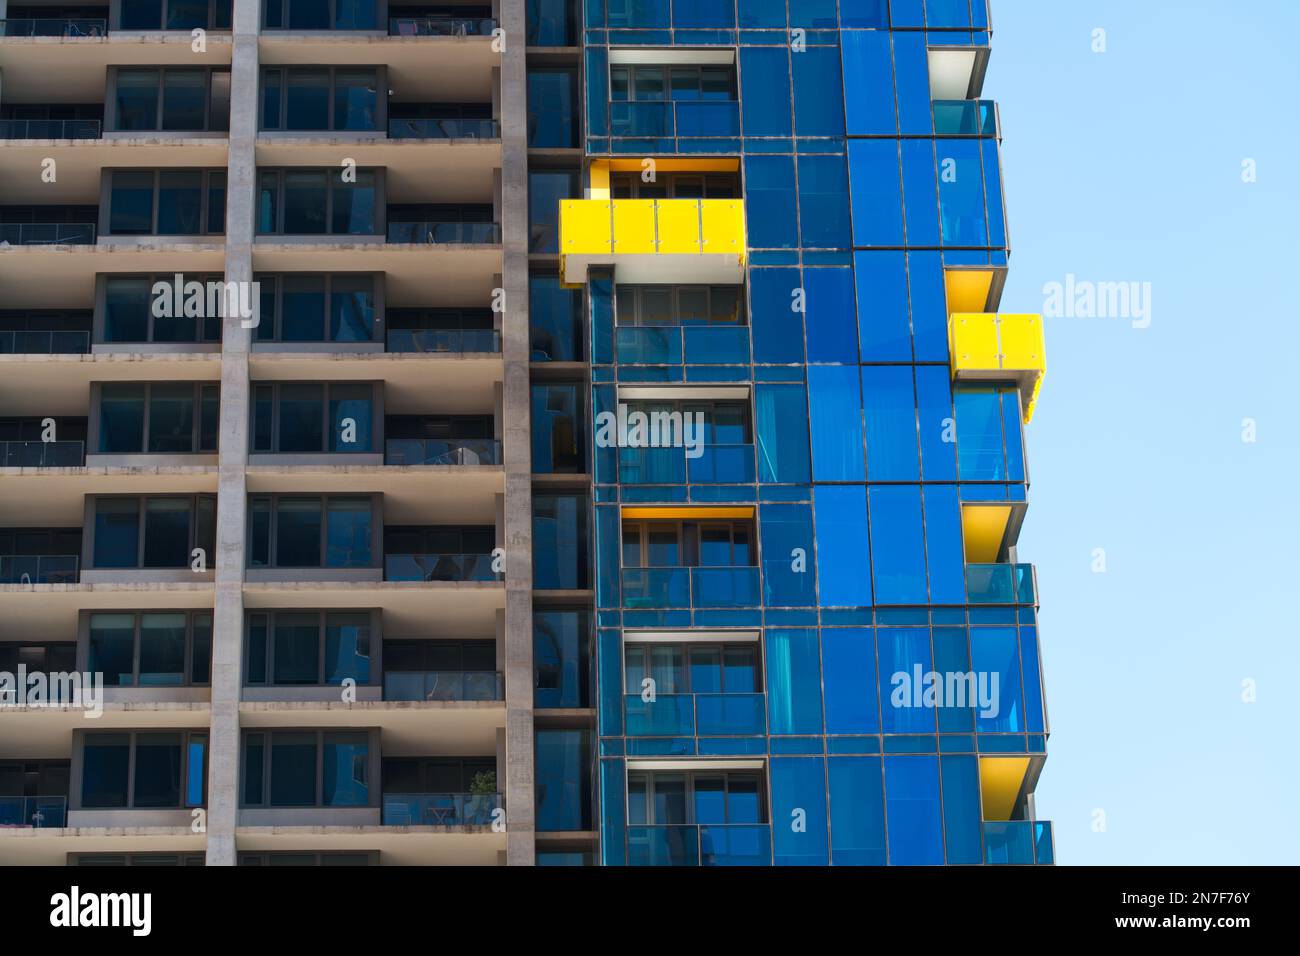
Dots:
{"x": 987, "y": 347}
{"x": 654, "y": 240}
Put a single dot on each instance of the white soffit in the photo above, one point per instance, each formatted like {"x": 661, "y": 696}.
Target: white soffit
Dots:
{"x": 686, "y": 55}
{"x": 645, "y": 393}
{"x": 690, "y": 637}
{"x": 950, "y": 73}
{"x": 695, "y": 765}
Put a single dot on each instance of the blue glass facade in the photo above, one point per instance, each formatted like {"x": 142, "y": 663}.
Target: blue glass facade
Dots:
{"x": 769, "y": 612}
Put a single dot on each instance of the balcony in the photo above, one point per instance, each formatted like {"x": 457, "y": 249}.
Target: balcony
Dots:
{"x": 440, "y": 27}
{"x": 700, "y": 845}
{"x": 1023, "y": 842}
{"x": 1001, "y": 584}
{"x": 42, "y": 454}
{"x": 57, "y": 342}
{"x": 38, "y": 812}
{"x": 443, "y": 129}
{"x": 966, "y": 118}
{"x": 654, "y": 240}
{"x": 439, "y": 567}
{"x": 441, "y": 809}
{"x": 666, "y": 120}
{"x": 690, "y": 715}
{"x": 988, "y": 347}
{"x": 444, "y": 685}
{"x": 53, "y": 27}
{"x": 718, "y": 464}
{"x": 47, "y": 233}
{"x": 39, "y": 569}
{"x": 689, "y": 344}
{"x": 451, "y": 451}
{"x": 461, "y": 341}
{"x": 682, "y": 587}
{"x": 444, "y": 233}
{"x": 49, "y": 129}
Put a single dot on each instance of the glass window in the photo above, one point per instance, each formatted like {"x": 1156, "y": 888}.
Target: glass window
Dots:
{"x": 305, "y": 195}
{"x": 545, "y": 190}
{"x": 167, "y": 532}
{"x": 868, "y": 81}
{"x": 307, "y": 97}
{"x": 560, "y": 542}
{"x": 293, "y": 769}
{"x": 351, "y": 417}
{"x": 117, "y": 532}
{"x": 347, "y": 648}
{"x": 897, "y": 544}
{"x": 121, "y": 418}
{"x": 352, "y": 308}
{"x": 912, "y": 809}
{"x": 835, "y": 405}
{"x": 302, "y": 418}
{"x": 794, "y": 690}
{"x": 563, "y": 780}
{"x": 561, "y": 658}
{"x": 961, "y": 193}
{"x": 349, "y": 534}
{"x": 353, "y": 205}
{"x": 770, "y": 207}
{"x": 298, "y": 533}
{"x": 185, "y": 94}
{"x": 303, "y": 309}
{"x": 105, "y": 769}
{"x": 995, "y": 655}
{"x": 979, "y": 435}
{"x": 818, "y": 90}
{"x": 831, "y": 317}
{"x": 555, "y": 316}
{"x": 157, "y": 770}
{"x": 849, "y": 671}
{"x": 162, "y": 650}
{"x": 857, "y": 811}
{"x": 131, "y": 203}
{"x": 799, "y": 784}
{"x": 171, "y": 417}
{"x": 889, "y": 407}
{"x": 180, "y": 202}
{"x": 345, "y": 770}
{"x": 842, "y": 546}
{"x": 553, "y": 108}
{"x": 126, "y": 310}
{"x": 112, "y": 648}
{"x": 355, "y": 100}
{"x": 296, "y": 649}
{"x": 137, "y": 99}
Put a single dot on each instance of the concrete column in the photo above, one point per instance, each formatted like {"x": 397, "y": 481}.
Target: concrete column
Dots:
{"x": 228, "y": 613}
{"x": 517, "y": 450}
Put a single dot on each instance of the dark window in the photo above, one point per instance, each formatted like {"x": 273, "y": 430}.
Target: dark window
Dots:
{"x": 149, "y": 309}
{"x": 169, "y": 202}
{"x": 680, "y": 305}
{"x": 308, "y": 202}
{"x": 172, "y": 98}
{"x": 652, "y": 82}
{"x": 306, "y": 769}
{"x": 169, "y": 770}
{"x": 162, "y": 642}
{"x": 173, "y": 526}
{"x": 305, "y": 418}
{"x": 311, "y": 532}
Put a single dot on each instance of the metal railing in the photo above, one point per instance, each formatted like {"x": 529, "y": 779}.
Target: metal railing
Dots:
{"x": 1023, "y": 842}
{"x": 439, "y": 567}
{"x": 48, "y": 233}
{"x": 432, "y": 451}
{"x": 53, "y": 27}
{"x": 443, "y": 685}
{"x": 690, "y": 715}
{"x": 39, "y": 569}
{"x": 437, "y": 233}
{"x": 440, "y": 27}
{"x": 41, "y": 812}
{"x": 735, "y": 844}
{"x": 50, "y": 342}
{"x": 682, "y": 587}
{"x": 49, "y": 129}
{"x": 42, "y": 454}
{"x": 443, "y": 340}
{"x": 441, "y": 809}
{"x": 453, "y": 128}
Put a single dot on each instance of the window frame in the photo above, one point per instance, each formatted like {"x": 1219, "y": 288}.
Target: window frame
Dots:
{"x": 268, "y": 734}
{"x": 270, "y": 329}
{"x": 192, "y": 615}
{"x": 185, "y": 735}
{"x": 99, "y": 319}
{"x": 376, "y": 423}
{"x": 374, "y": 639}
{"x": 198, "y": 389}
{"x": 636, "y": 294}
{"x": 334, "y": 183}
{"x": 142, "y": 500}
{"x": 380, "y": 126}
{"x": 113, "y": 117}
{"x": 274, "y": 499}
{"x": 689, "y": 779}
{"x": 208, "y": 177}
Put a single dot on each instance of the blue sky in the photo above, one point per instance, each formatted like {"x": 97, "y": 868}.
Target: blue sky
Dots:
{"x": 1127, "y": 166}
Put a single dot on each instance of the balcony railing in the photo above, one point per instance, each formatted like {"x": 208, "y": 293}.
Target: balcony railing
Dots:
{"x": 42, "y": 454}
{"x": 1019, "y": 842}
{"x": 682, "y": 587}
{"x": 439, "y": 567}
{"x": 53, "y": 27}
{"x": 718, "y": 464}
{"x": 453, "y": 128}
{"x": 44, "y": 343}
{"x": 443, "y": 685}
{"x": 663, "y": 119}
{"x": 1001, "y": 584}
{"x": 673, "y": 345}
{"x": 745, "y": 844}
{"x": 41, "y": 812}
{"x": 965, "y": 117}
{"x": 49, "y": 129}
{"x": 452, "y": 451}
{"x": 443, "y": 340}
{"x": 985, "y": 346}
{"x": 664, "y": 238}
{"x": 439, "y": 233}
{"x": 48, "y": 233}
{"x": 440, "y": 27}
{"x": 42, "y": 569}
{"x": 440, "y": 809}
{"x": 690, "y": 715}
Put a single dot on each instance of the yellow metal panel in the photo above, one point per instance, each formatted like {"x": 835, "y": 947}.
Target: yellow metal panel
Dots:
{"x": 1022, "y": 342}
{"x": 669, "y": 513}
{"x": 973, "y": 341}
{"x": 599, "y": 178}
{"x": 723, "y": 226}
{"x": 585, "y": 227}
{"x": 968, "y": 289}
{"x": 1000, "y": 781}
{"x": 983, "y": 527}
{"x": 634, "y": 226}
{"x": 679, "y": 225}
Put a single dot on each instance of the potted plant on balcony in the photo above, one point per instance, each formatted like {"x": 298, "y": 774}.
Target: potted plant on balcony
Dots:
{"x": 481, "y": 803}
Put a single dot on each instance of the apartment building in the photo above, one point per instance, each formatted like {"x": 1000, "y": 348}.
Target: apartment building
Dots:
{"x": 560, "y": 432}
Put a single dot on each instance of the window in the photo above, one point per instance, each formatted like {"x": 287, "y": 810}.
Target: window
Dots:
{"x": 317, "y": 308}
{"x": 136, "y": 859}
{"x": 552, "y": 23}
{"x": 151, "y": 648}
{"x": 130, "y": 316}
{"x": 695, "y": 797}
{"x": 308, "y": 768}
{"x": 691, "y": 668}
{"x": 564, "y": 784}
{"x": 321, "y": 15}
{"x": 546, "y": 187}
{"x": 157, "y": 418}
{"x": 321, "y": 98}
{"x": 308, "y": 648}
{"x": 155, "y": 532}
{"x": 174, "y": 15}
{"x": 668, "y": 544}
{"x": 558, "y": 427}
{"x": 168, "y": 202}
{"x": 171, "y": 98}
{"x": 675, "y": 186}
{"x": 650, "y": 83}
{"x": 562, "y": 658}
{"x": 309, "y": 418}
{"x": 555, "y": 314}
{"x": 310, "y": 532}
{"x": 138, "y": 770}
{"x": 309, "y": 202}
{"x": 561, "y": 542}
{"x": 680, "y": 305}
{"x": 553, "y": 109}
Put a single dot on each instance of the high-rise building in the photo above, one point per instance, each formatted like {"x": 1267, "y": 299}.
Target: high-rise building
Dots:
{"x": 539, "y": 431}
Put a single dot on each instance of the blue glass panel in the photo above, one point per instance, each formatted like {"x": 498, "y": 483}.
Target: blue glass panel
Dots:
{"x": 703, "y": 14}
{"x": 831, "y": 317}
{"x": 794, "y": 695}
{"x": 904, "y": 655}
{"x": 649, "y": 345}
{"x": 823, "y": 203}
{"x": 961, "y": 808}
{"x": 868, "y": 83}
{"x": 883, "y": 325}
{"x": 995, "y": 655}
{"x": 993, "y": 192}
{"x": 912, "y": 810}
{"x": 639, "y": 14}
{"x": 849, "y": 673}
{"x": 952, "y": 656}
{"x": 920, "y": 196}
{"x": 857, "y": 811}
{"x": 799, "y": 835}
{"x": 597, "y": 92}
{"x": 777, "y": 328}
{"x": 929, "y": 306}
{"x": 906, "y": 13}
{"x": 770, "y": 208}
{"x": 730, "y": 714}
{"x": 708, "y": 119}
{"x": 818, "y": 91}
{"x": 765, "y": 89}
{"x": 843, "y": 555}
{"x": 1013, "y": 434}
{"x": 765, "y": 14}
{"x": 563, "y": 780}
{"x": 667, "y": 715}
{"x": 945, "y": 554}
{"x": 781, "y": 427}
{"x": 897, "y": 544}
{"x": 979, "y": 434}
{"x": 725, "y": 587}
{"x": 865, "y": 14}
{"x": 716, "y": 344}
{"x": 835, "y": 406}
{"x": 1034, "y": 721}
{"x": 937, "y": 423}
{"x": 912, "y": 80}
{"x": 961, "y": 193}
{"x": 789, "y": 574}
{"x": 1009, "y": 841}
{"x": 889, "y": 410}
{"x": 610, "y": 652}
{"x": 877, "y": 192}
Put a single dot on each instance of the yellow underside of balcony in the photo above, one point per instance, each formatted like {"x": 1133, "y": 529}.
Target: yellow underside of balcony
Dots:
{"x": 988, "y": 347}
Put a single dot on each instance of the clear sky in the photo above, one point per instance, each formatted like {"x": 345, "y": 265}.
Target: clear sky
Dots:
{"x": 1127, "y": 166}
